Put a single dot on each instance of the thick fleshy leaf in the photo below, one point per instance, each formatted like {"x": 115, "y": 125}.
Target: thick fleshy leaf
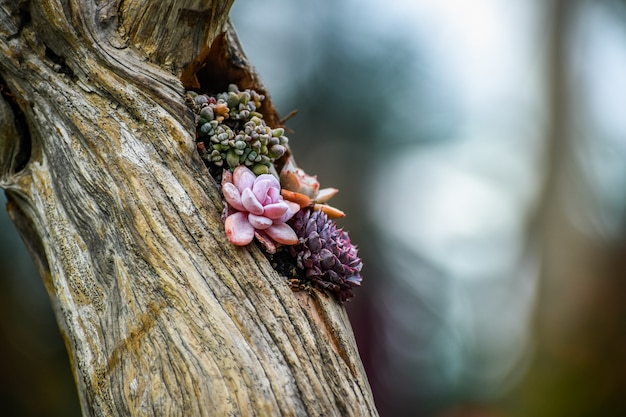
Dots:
{"x": 259, "y": 222}
{"x": 232, "y": 196}
{"x": 355, "y": 280}
{"x": 302, "y": 200}
{"x": 272, "y": 180}
{"x": 326, "y": 194}
{"x": 238, "y": 229}
{"x": 275, "y": 211}
{"x": 288, "y": 179}
{"x": 251, "y": 204}
{"x": 314, "y": 242}
{"x": 227, "y": 176}
{"x": 293, "y": 209}
{"x": 330, "y": 211}
{"x": 260, "y": 189}
{"x": 295, "y": 179}
{"x": 266, "y": 241}
{"x": 274, "y": 195}
{"x": 282, "y": 233}
{"x": 243, "y": 178}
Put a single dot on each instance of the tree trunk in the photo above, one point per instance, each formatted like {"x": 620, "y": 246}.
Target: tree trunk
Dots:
{"x": 160, "y": 313}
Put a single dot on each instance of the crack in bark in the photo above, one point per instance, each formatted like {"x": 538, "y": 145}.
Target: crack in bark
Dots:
{"x": 15, "y": 139}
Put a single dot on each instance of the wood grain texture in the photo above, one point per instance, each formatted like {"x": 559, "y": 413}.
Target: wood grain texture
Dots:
{"x": 161, "y": 315}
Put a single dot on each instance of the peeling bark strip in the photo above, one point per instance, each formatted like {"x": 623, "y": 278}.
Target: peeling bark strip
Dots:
{"x": 161, "y": 315}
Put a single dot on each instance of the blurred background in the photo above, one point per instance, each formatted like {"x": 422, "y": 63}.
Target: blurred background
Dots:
{"x": 480, "y": 150}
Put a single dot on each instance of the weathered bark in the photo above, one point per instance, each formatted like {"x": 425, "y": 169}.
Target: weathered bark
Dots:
{"x": 161, "y": 315}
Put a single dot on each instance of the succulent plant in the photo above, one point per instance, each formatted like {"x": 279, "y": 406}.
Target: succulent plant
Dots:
{"x": 256, "y": 208}
{"x": 325, "y": 254}
{"x": 231, "y": 132}
{"x": 304, "y": 189}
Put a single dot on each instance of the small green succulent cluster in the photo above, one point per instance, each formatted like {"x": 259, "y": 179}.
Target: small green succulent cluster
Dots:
{"x": 230, "y": 132}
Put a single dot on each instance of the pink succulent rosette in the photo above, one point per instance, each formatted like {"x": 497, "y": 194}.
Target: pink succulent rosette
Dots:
{"x": 256, "y": 209}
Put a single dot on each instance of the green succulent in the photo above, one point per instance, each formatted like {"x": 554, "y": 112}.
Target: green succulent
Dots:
{"x": 232, "y": 132}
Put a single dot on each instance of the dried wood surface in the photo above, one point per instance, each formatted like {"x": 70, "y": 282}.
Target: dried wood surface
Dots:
{"x": 161, "y": 315}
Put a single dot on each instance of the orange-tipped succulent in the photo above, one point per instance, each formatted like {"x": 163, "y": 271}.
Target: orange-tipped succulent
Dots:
{"x": 304, "y": 189}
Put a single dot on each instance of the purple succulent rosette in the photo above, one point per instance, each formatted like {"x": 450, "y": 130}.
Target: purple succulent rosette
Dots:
{"x": 325, "y": 254}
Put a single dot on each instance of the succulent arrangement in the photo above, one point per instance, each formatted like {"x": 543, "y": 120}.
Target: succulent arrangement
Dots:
{"x": 285, "y": 212}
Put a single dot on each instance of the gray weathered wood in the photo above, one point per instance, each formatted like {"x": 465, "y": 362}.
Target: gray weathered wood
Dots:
{"x": 161, "y": 315}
